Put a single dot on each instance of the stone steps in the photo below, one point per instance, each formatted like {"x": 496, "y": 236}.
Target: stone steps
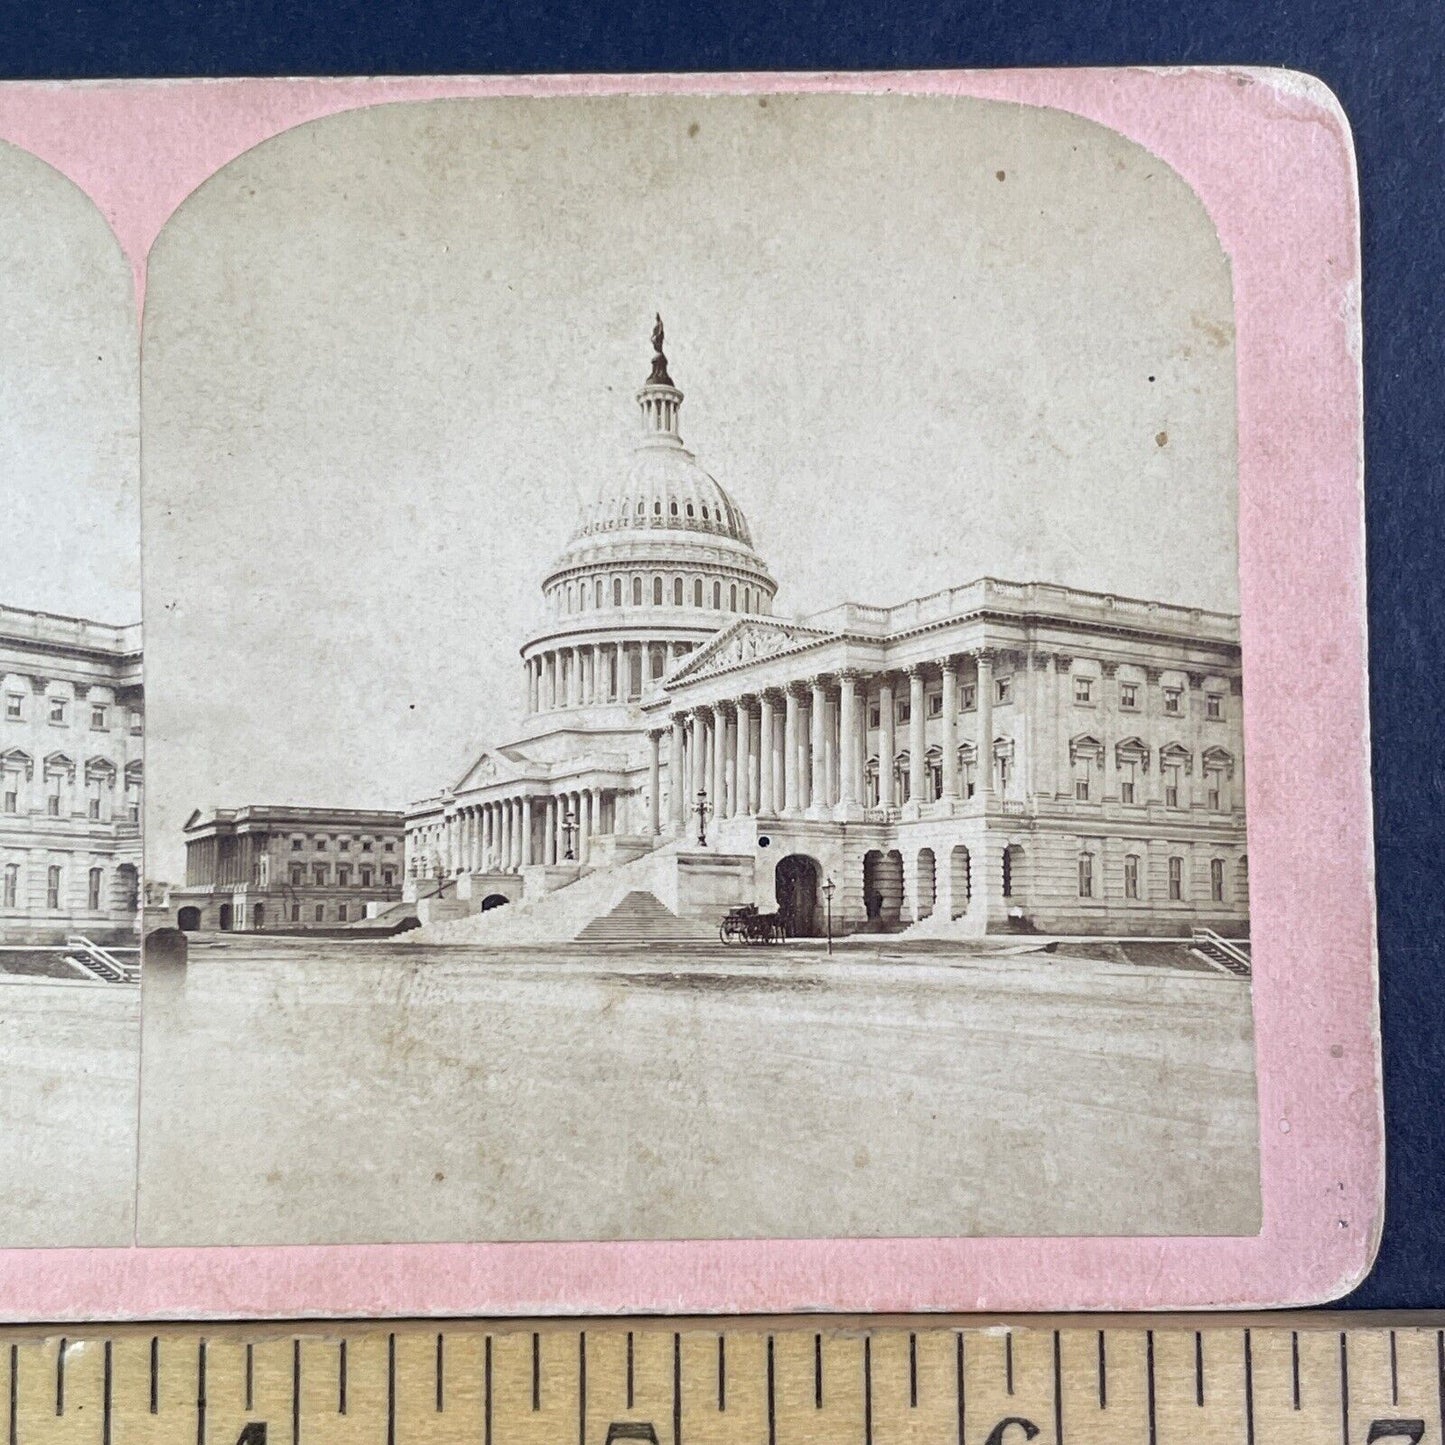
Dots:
{"x": 639, "y": 918}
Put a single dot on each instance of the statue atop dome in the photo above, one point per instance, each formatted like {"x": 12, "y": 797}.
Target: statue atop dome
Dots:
{"x": 659, "y": 375}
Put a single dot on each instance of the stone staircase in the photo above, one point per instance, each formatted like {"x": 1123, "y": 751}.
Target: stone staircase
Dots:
{"x": 1222, "y": 953}
{"x": 103, "y": 964}
{"x": 639, "y": 918}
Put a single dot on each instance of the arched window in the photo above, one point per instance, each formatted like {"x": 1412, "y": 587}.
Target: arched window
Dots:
{"x": 690, "y": 512}
{"x": 657, "y": 507}
{"x": 657, "y": 591}
{"x": 677, "y": 591}
{"x": 1131, "y": 877}
{"x": 717, "y": 596}
{"x": 597, "y": 594}
{"x": 637, "y": 591}
{"x": 732, "y": 597}
{"x": 672, "y": 509}
{"x": 569, "y": 597}
{"x": 1176, "y": 880}
{"x": 92, "y": 891}
{"x": 617, "y": 592}
{"x": 12, "y": 885}
{"x": 1216, "y": 879}
{"x": 697, "y": 591}
{"x": 52, "y": 887}
{"x": 704, "y": 511}
{"x": 641, "y": 509}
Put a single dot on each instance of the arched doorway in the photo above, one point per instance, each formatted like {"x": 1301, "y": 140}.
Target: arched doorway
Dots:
{"x": 960, "y": 881}
{"x": 188, "y": 920}
{"x": 225, "y": 918}
{"x": 494, "y": 900}
{"x": 128, "y": 886}
{"x": 258, "y": 915}
{"x": 926, "y": 884}
{"x": 1013, "y": 872}
{"x": 796, "y": 879}
{"x": 883, "y": 887}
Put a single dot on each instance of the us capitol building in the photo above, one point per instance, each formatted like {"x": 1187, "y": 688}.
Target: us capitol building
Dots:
{"x": 999, "y": 755}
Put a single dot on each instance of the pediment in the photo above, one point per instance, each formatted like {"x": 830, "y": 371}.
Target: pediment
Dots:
{"x": 490, "y": 767}
{"x": 739, "y": 644}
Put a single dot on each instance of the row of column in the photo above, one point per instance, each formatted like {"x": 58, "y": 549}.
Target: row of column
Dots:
{"x": 596, "y": 672}
{"x": 514, "y": 833}
{"x": 803, "y": 749}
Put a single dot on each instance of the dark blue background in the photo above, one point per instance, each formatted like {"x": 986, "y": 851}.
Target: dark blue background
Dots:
{"x": 1384, "y": 61}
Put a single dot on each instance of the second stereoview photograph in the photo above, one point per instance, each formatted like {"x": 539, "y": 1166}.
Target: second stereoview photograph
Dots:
{"x": 695, "y": 682}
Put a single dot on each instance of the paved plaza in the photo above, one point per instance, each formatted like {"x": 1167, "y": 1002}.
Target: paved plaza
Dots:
{"x": 302, "y": 1091}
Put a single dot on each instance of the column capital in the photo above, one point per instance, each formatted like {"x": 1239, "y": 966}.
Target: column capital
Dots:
{"x": 985, "y": 656}
{"x": 771, "y": 695}
{"x": 820, "y": 681}
{"x": 747, "y": 702}
{"x": 725, "y": 709}
{"x": 916, "y": 670}
{"x": 946, "y": 662}
{"x": 851, "y": 674}
{"x": 1196, "y": 680}
{"x": 1153, "y": 674}
{"x": 1042, "y": 661}
{"x": 1109, "y": 669}
{"x": 1063, "y": 662}
{"x": 656, "y": 735}
{"x": 798, "y": 690}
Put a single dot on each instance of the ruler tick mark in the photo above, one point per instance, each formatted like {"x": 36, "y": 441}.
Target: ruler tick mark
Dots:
{"x": 1199, "y": 1367}
{"x": 1394, "y": 1372}
{"x": 1439, "y": 1378}
{"x": 391, "y": 1389}
{"x": 441, "y": 1373}
{"x": 1008, "y": 1360}
{"x": 1248, "y": 1388}
{"x": 629, "y": 1369}
{"x": 250, "y": 1366}
{"x": 341, "y": 1378}
{"x": 1103, "y": 1374}
{"x": 155, "y": 1374}
{"x": 201, "y": 1393}
{"x": 1149, "y": 1381}
{"x": 817, "y": 1372}
{"x": 677, "y": 1389}
{"x": 722, "y": 1373}
{"x": 867, "y": 1390}
{"x": 487, "y": 1391}
{"x": 536, "y": 1371}
{"x": 1294, "y": 1363}
{"x": 912, "y": 1371}
{"x": 958, "y": 1384}
{"x": 60, "y": 1378}
{"x": 772, "y": 1399}
{"x": 14, "y": 1392}
{"x": 105, "y": 1398}
{"x": 581, "y": 1387}
{"x": 295, "y": 1391}
{"x": 1344, "y": 1390}
{"x": 1058, "y": 1389}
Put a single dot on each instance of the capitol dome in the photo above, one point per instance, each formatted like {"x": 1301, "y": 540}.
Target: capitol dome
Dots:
{"x": 660, "y": 560}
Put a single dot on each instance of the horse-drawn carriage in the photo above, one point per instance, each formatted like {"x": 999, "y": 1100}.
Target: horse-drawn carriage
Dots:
{"x": 745, "y": 924}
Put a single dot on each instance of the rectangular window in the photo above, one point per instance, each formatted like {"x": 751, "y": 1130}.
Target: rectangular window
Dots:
{"x": 366, "y": 877}
{"x": 1131, "y": 876}
{"x": 341, "y": 913}
{"x": 298, "y": 875}
{"x": 296, "y": 845}
{"x": 1129, "y": 694}
{"x": 132, "y": 802}
{"x": 12, "y": 884}
{"x": 343, "y": 876}
{"x": 968, "y": 780}
{"x": 1003, "y": 769}
{"x": 12, "y": 800}
{"x": 345, "y": 845}
{"x": 1176, "y": 879}
{"x": 390, "y": 847}
{"x": 93, "y": 807}
{"x": 295, "y": 913}
{"x": 14, "y": 705}
{"x": 366, "y": 845}
{"x": 1173, "y": 701}
{"x": 874, "y": 716}
{"x": 1214, "y": 797}
{"x": 52, "y": 888}
{"x": 388, "y": 877}
{"x": 905, "y": 710}
{"x": 92, "y": 892}
{"x": 1081, "y": 788}
{"x": 1216, "y": 879}
{"x": 1003, "y": 690}
{"x": 136, "y": 723}
{"x": 318, "y": 874}
{"x": 968, "y": 695}
{"x": 1171, "y": 787}
{"x": 321, "y": 913}
{"x": 1127, "y": 775}
{"x": 1086, "y": 875}
{"x": 1214, "y": 706}
{"x": 99, "y": 721}
{"x": 935, "y": 704}
{"x": 52, "y": 805}
{"x": 321, "y": 845}
{"x": 57, "y": 709}
{"x": 1084, "y": 689}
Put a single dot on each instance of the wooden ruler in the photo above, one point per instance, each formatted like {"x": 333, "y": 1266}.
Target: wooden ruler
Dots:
{"x": 1283, "y": 1378}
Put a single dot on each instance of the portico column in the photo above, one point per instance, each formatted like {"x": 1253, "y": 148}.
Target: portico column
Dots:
{"x": 586, "y": 820}
{"x": 818, "y": 719}
{"x": 697, "y": 757}
{"x": 917, "y": 738}
{"x": 599, "y": 692}
{"x": 719, "y": 762}
{"x": 526, "y": 832}
{"x": 675, "y": 776}
{"x": 743, "y": 752}
{"x": 654, "y": 781}
{"x": 887, "y": 746}
{"x": 504, "y": 828}
{"x": 790, "y": 750}
{"x": 549, "y": 823}
{"x": 983, "y": 739}
{"x": 847, "y": 739}
{"x": 766, "y": 730}
{"x": 950, "y": 728}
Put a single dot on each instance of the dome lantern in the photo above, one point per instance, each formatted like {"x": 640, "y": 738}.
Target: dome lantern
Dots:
{"x": 659, "y": 399}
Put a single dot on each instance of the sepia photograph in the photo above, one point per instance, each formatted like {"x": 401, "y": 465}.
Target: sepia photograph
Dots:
{"x": 696, "y": 682}
{"x": 72, "y": 727}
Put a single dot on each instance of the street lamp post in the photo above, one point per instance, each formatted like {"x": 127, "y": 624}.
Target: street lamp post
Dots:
{"x": 569, "y": 836}
{"x": 702, "y": 811}
{"x": 828, "y": 887}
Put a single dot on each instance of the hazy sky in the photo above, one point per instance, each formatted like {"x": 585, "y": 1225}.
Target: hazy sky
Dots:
{"x": 69, "y": 406}
{"x": 388, "y": 353}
